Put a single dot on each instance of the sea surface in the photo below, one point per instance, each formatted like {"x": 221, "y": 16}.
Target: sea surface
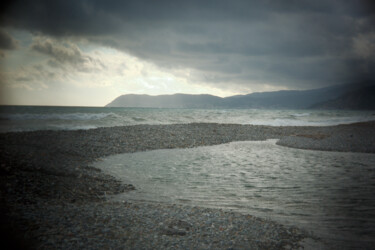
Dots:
{"x": 30, "y": 118}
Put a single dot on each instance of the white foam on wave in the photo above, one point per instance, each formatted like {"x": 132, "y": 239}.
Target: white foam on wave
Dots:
{"x": 40, "y": 118}
{"x": 57, "y": 116}
{"x": 326, "y": 122}
{"x": 48, "y": 127}
{"x": 77, "y": 127}
{"x": 301, "y": 114}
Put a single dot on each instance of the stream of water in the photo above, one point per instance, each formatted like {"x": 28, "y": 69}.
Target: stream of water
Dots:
{"x": 328, "y": 193}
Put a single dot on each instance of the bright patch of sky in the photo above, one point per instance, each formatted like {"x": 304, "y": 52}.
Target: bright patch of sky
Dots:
{"x": 45, "y": 71}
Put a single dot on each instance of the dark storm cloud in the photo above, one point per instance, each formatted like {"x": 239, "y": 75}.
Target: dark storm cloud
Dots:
{"x": 296, "y": 43}
{"x": 6, "y": 41}
{"x": 63, "y": 54}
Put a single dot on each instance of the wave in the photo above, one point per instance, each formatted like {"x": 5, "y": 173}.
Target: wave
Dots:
{"x": 138, "y": 119}
{"x": 56, "y": 116}
{"x": 41, "y": 118}
{"x": 301, "y": 114}
{"x": 326, "y": 122}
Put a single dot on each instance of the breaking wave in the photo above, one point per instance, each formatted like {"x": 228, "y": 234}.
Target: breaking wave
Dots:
{"x": 56, "y": 116}
{"x": 28, "y": 118}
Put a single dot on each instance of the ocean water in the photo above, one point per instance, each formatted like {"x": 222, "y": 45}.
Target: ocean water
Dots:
{"x": 330, "y": 194}
{"x": 29, "y": 118}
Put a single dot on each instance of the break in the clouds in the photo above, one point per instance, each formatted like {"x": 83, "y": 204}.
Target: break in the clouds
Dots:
{"x": 234, "y": 46}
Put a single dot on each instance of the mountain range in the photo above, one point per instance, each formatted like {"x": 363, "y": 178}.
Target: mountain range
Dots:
{"x": 355, "y": 96}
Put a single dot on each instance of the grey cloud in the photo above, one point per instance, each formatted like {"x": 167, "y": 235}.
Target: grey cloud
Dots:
{"x": 296, "y": 43}
{"x": 7, "y": 42}
{"x": 74, "y": 17}
{"x": 65, "y": 55}
{"x": 54, "y": 64}
{"x": 24, "y": 79}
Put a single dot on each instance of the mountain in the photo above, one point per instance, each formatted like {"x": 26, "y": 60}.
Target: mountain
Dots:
{"x": 361, "y": 99}
{"x": 167, "y": 101}
{"x": 286, "y": 99}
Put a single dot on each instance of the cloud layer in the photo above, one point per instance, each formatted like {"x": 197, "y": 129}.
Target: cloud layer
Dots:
{"x": 66, "y": 55}
{"x": 227, "y": 44}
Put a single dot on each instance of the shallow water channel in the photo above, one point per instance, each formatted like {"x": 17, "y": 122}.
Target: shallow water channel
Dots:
{"x": 329, "y": 193}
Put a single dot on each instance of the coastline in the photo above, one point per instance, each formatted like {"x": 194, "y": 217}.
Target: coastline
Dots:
{"x": 54, "y": 198}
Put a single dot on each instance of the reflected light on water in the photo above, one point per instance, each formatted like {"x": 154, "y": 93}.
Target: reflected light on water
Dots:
{"x": 329, "y": 193}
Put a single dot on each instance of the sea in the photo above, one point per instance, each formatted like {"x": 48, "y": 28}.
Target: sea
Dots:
{"x": 31, "y": 118}
{"x": 329, "y": 194}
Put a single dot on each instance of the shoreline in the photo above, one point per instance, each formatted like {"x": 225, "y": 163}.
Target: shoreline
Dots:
{"x": 51, "y": 194}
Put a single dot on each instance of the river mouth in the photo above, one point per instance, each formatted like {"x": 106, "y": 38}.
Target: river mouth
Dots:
{"x": 331, "y": 194}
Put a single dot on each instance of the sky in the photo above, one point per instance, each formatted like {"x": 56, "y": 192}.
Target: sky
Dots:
{"x": 86, "y": 53}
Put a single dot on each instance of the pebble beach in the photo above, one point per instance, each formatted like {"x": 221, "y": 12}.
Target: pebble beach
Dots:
{"x": 52, "y": 197}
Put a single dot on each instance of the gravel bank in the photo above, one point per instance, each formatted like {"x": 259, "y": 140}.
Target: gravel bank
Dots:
{"x": 359, "y": 137}
{"x": 51, "y": 198}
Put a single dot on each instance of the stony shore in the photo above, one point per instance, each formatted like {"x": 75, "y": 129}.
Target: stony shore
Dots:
{"x": 52, "y": 198}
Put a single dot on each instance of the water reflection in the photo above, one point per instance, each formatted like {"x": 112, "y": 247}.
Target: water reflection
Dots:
{"x": 329, "y": 193}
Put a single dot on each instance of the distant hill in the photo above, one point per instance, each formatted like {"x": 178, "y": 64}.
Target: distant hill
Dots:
{"x": 361, "y": 99}
{"x": 167, "y": 101}
{"x": 321, "y": 98}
